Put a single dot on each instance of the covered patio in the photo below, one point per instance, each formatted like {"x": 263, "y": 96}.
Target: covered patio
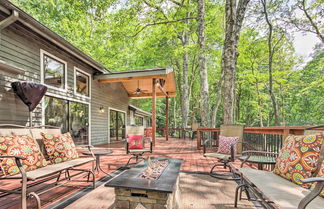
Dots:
{"x": 146, "y": 83}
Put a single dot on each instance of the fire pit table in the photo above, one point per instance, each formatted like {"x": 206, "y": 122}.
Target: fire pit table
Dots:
{"x": 151, "y": 184}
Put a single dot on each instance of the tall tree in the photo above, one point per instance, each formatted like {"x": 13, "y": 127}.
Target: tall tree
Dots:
{"x": 204, "y": 91}
{"x": 234, "y": 16}
{"x": 185, "y": 73}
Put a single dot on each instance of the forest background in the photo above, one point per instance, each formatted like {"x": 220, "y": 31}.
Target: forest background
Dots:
{"x": 269, "y": 83}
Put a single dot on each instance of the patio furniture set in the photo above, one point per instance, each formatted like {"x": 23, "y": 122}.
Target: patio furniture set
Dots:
{"x": 33, "y": 156}
{"x": 298, "y": 165}
{"x": 297, "y": 180}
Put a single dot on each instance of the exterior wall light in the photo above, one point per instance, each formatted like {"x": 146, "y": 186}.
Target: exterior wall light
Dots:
{"x": 101, "y": 109}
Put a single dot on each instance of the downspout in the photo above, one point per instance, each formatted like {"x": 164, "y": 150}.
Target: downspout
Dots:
{"x": 9, "y": 20}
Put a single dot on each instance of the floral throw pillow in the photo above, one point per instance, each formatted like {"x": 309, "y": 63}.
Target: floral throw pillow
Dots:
{"x": 22, "y": 146}
{"x": 60, "y": 147}
{"x": 303, "y": 157}
{"x": 282, "y": 163}
{"x": 224, "y": 144}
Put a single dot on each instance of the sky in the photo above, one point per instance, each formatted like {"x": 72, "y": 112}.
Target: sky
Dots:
{"x": 304, "y": 43}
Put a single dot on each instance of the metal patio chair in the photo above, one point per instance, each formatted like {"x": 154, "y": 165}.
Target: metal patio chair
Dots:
{"x": 135, "y": 143}
{"x": 224, "y": 159}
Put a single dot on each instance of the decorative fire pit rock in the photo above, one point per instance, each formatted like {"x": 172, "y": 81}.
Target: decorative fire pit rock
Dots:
{"x": 152, "y": 187}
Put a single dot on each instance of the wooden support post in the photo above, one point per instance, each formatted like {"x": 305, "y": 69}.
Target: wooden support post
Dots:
{"x": 167, "y": 118}
{"x": 198, "y": 139}
{"x": 153, "y": 110}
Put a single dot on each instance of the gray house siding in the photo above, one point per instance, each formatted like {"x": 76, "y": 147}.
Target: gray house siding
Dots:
{"x": 21, "y": 47}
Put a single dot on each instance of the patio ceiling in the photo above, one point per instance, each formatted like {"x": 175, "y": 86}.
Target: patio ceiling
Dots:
{"x": 143, "y": 79}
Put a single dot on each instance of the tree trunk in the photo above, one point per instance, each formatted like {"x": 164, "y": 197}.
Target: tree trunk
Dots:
{"x": 204, "y": 97}
{"x": 185, "y": 84}
{"x": 218, "y": 100}
{"x": 234, "y": 19}
{"x": 270, "y": 61}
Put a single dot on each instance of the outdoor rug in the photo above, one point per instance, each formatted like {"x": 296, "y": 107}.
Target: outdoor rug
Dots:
{"x": 198, "y": 191}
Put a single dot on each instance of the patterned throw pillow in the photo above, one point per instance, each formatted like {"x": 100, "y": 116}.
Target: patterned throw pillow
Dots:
{"x": 224, "y": 144}
{"x": 60, "y": 148}
{"x": 135, "y": 141}
{"x": 298, "y": 158}
{"x": 282, "y": 163}
{"x": 303, "y": 157}
{"x": 22, "y": 146}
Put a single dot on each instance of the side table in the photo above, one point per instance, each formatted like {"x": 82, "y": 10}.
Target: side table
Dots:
{"x": 98, "y": 153}
{"x": 259, "y": 157}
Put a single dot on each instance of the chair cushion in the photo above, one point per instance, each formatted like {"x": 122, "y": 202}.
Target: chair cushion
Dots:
{"x": 217, "y": 155}
{"x": 283, "y": 192}
{"x": 60, "y": 147}
{"x": 135, "y": 141}
{"x": 224, "y": 145}
{"x": 22, "y": 146}
{"x": 301, "y": 161}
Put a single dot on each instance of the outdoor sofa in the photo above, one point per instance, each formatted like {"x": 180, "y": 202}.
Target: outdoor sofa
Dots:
{"x": 275, "y": 191}
{"x": 43, "y": 174}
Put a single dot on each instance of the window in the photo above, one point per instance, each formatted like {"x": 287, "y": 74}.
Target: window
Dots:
{"x": 117, "y": 125}
{"x": 53, "y": 71}
{"x": 56, "y": 113}
{"x": 70, "y": 116}
{"x": 82, "y": 83}
{"x": 138, "y": 121}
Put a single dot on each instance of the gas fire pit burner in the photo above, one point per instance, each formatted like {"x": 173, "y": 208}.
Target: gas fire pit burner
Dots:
{"x": 154, "y": 169}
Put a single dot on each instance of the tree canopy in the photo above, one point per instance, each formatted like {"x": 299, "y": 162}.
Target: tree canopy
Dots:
{"x": 135, "y": 34}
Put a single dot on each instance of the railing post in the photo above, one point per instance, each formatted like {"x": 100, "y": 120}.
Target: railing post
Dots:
{"x": 198, "y": 140}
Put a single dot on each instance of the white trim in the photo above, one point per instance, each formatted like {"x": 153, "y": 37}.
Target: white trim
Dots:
{"x": 65, "y": 98}
{"x": 42, "y": 53}
{"x": 89, "y": 83}
{"x": 89, "y": 122}
{"x": 110, "y": 108}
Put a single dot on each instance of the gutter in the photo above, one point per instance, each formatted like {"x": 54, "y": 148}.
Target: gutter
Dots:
{"x": 9, "y": 20}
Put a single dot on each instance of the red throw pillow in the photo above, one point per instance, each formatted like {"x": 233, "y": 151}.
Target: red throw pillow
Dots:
{"x": 224, "y": 145}
{"x": 135, "y": 141}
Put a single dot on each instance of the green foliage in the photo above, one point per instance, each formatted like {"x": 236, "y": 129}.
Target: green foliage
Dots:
{"x": 134, "y": 34}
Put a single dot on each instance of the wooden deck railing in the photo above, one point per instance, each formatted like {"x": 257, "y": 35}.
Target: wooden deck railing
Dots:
{"x": 257, "y": 138}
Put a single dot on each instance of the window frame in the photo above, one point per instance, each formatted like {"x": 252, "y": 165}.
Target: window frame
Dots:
{"x": 89, "y": 82}
{"x": 135, "y": 115}
{"x": 42, "y": 53}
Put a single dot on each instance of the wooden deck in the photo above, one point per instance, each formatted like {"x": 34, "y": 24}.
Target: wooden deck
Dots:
{"x": 193, "y": 161}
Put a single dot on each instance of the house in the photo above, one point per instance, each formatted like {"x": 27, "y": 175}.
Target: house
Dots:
{"x": 83, "y": 97}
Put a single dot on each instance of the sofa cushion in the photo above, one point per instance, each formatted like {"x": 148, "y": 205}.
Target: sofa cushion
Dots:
{"x": 22, "y": 146}
{"x": 224, "y": 145}
{"x": 60, "y": 147}
{"x": 282, "y": 192}
{"x": 135, "y": 141}
{"x": 321, "y": 174}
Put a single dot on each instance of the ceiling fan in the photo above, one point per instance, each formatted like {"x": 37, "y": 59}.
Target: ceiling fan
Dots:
{"x": 139, "y": 91}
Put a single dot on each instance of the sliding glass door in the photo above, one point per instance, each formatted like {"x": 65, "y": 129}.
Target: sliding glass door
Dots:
{"x": 117, "y": 125}
{"x": 70, "y": 116}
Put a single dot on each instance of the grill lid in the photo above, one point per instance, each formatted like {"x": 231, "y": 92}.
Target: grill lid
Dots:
{"x": 30, "y": 93}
